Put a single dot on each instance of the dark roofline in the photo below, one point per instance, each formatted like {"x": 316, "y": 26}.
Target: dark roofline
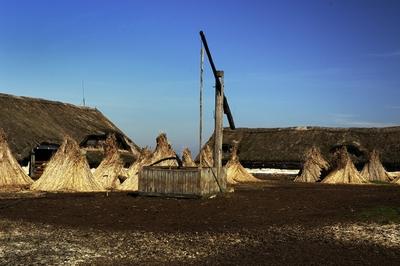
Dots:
{"x": 315, "y": 128}
{"x": 41, "y": 100}
{"x": 284, "y": 147}
{"x": 31, "y": 121}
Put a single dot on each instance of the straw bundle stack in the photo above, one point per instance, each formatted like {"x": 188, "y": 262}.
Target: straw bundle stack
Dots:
{"x": 207, "y": 158}
{"x": 313, "y": 165}
{"x": 187, "y": 160}
{"x": 67, "y": 171}
{"x": 110, "y": 168}
{"x": 393, "y": 175}
{"x": 235, "y": 172}
{"x": 132, "y": 182}
{"x": 163, "y": 150}
{"x": 345, "y": 171}
{"x": 374, "y": 170}
{"x": 11, "y": 174}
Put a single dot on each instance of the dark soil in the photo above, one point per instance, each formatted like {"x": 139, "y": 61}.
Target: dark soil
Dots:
{"x": 273, "y": 222}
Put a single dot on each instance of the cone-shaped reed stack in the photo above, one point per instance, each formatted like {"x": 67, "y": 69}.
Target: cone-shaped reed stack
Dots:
{"x": 187, "y": 160}
{"x": 345, "y": 172}
{"x": 67, "y": 171}
{"x": 11, "y": 174}
{"x": 313, "y": 165}
{"x": 374, "y": 170}
{"x": 132, "y": 182}
{"x": 393, "y": 175}
{"x": 235, "y": 172}
{"x": 207, "y": 158}
{"x": 110, "y": 168}
{"x": 163, "y": 150}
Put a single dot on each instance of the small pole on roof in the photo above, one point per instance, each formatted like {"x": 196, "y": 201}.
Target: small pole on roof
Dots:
{"x": 83, "y": 93}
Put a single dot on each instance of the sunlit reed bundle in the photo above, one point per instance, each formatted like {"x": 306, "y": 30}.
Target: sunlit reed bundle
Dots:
{"x": 345, "y": 172}
{"x": 235, "y": 172}
{"x": 163, "y": 150}
{"x": 110, "y": 168}
{"x": 313, "y": 165}
{"x": 393, "y": 175}
{"x": 12, "y": 176}
{"x": 67, "y": 171}
{"x": 132, "y": 182}
{"x": 373, "y": 170}
{"x": 207, "y": 158}
{"x": 187, "y": 160}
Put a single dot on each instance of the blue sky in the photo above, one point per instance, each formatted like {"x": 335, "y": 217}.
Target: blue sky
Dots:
{"x": 286, "y": 63}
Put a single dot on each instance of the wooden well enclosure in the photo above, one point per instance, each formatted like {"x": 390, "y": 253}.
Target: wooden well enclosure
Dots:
{"x": 178, "y": 182}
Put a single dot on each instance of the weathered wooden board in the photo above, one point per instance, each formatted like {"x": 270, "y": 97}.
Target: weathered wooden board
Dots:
{"x": 179, "y": 182}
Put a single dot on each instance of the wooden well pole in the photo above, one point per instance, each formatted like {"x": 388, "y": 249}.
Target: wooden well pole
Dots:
{"x": 218, "y": 129}
{"x": 201, "y": 102}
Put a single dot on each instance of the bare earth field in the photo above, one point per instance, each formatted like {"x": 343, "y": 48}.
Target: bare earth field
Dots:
{"x": 264, "y": 223}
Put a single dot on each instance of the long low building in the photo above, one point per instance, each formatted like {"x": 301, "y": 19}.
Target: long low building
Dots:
{"x": 284, "y": 147}
{"x": 35, "y": 128}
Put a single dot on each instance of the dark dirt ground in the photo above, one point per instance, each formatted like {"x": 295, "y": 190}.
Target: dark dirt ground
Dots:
{"x": 264, "y": 223}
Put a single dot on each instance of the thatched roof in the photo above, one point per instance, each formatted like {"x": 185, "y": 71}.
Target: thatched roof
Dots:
{"x": 284, "y": 147}
{"x": 29, "y": 122}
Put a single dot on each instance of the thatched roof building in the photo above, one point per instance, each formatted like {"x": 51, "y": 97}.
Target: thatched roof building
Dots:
{"x": 36, "y": 124}
{"x": 284, "y": 147}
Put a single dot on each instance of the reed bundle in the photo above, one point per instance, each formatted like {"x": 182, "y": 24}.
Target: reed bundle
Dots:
{"x": 235, "y": 172}
{"x": 313, "y": 165}
{"x": 12, "y": 176}
{"x": 110, "y": 168}
{"x": 67, "y": 171}
{"x": 345, "y": 172}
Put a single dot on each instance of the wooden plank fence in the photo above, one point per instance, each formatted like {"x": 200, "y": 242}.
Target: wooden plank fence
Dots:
{"x": 178, "y": 182}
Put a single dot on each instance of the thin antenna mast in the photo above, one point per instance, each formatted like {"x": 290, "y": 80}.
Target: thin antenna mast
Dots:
{"x": 83, "y": 93}
{"x": 201, "y": 100}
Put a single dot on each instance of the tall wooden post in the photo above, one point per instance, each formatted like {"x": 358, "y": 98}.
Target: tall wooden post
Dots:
{"x": 218, "y": 130}
{"x": 201, "y": 103}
